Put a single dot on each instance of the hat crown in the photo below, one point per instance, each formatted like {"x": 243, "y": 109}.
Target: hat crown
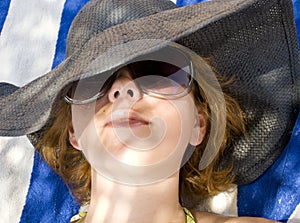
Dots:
{"x": 109, "y": 14}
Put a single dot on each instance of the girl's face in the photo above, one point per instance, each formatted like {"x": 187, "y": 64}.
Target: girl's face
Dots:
{"x": 134, "y": 138}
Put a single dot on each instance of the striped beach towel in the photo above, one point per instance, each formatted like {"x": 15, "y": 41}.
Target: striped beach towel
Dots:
{"x": 32, "y": 42}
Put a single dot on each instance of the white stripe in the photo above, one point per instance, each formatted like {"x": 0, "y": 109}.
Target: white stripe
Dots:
{"x": 28, "y": 39}
{"x": 295, "y": 217}
{"x": 27, "y": 48}
{"x": 16, "y": 159}
{"x": 224, "y": 203}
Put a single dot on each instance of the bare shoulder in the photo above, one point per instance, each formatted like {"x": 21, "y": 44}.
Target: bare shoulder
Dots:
{"x": 206, "y": 217}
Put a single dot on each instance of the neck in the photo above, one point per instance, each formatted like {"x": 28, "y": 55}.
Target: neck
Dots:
{"x": 112, "y": 202}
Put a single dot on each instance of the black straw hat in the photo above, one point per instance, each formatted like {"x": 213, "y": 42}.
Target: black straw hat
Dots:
{"x": 254, "y": 40}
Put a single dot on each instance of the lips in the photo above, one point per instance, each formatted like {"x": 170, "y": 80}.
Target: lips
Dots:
{"x": 125, "y": 119}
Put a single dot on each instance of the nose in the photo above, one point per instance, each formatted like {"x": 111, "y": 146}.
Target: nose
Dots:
{"x": 124, "y": 88}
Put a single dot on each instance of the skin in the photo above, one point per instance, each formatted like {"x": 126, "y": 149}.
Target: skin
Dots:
{"x": 157, "y": 202}
{"x": 202, "y": 217}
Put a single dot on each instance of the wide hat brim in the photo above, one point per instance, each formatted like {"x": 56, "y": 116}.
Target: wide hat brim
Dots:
{"x": 254, "y": 40}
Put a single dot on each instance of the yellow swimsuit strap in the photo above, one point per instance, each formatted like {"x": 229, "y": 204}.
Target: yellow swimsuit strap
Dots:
{"x": 189, "y": 217}
{"x": 77, "y": 218}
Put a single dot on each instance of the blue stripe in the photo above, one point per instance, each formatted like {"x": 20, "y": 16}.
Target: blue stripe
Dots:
{"x": 297, "y": 16}
{"x": 71, "y": 8}
{"x": 48, "y": 199}
{"x": 181, "y": 3}
{"x": 4, "y": 7}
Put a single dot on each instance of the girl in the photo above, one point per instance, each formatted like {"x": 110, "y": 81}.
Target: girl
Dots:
{"x": 120, "y": 148}
{"x": 138, "y": 125}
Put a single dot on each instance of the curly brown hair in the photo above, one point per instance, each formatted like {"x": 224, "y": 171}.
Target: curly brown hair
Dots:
{"x": 72, "y": 166}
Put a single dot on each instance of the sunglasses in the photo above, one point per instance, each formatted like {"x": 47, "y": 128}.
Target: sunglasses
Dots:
{"x": 166, "y": 74}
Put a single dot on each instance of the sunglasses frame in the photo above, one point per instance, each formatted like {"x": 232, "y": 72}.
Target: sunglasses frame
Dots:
{"x": 143, "y": 90}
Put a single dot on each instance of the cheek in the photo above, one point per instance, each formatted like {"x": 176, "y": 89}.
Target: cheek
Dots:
{"x": 83, "y": 117}
{"x": 178, "y": 117}
{"x": 170, "y": 117}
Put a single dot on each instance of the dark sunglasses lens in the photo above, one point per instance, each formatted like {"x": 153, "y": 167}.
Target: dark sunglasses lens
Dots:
{"x": 152, "y": 67}
{"x": 161, "y": 77}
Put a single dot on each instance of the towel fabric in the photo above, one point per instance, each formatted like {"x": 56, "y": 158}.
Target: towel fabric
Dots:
{"x": 32, "y": 42}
